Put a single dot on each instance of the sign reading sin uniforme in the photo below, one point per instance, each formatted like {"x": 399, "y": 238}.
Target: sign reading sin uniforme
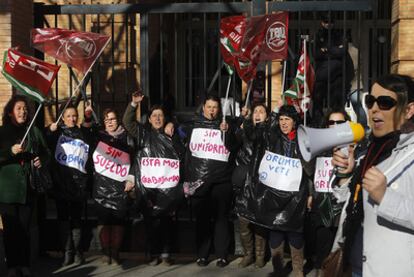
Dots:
{"x": 323, "y": 173}
{"x": 72, "y": 153}
{"x": 280, "y": 172}
{"x": 159, "y": 172}
{"x": 111, "y": 162}
{"x": 208, "y": 144}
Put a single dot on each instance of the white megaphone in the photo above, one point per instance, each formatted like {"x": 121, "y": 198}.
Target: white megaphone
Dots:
{"x": 313, "y": 141}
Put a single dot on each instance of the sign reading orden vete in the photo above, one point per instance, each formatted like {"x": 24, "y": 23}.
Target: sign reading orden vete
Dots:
{"x": 159, "y": 172}
{"x": 280, "y": 172}
{"x": 72, "y": 153}
{"x": 323, "y": 173}
{"x": 207, "y": 144}
{"x": 111, "y": 162}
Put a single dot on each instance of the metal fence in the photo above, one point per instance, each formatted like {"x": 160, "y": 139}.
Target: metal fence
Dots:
{"x": 172, "y": 49}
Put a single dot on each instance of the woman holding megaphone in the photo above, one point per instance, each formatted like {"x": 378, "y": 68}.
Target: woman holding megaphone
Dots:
{"x": 378, "y": 228}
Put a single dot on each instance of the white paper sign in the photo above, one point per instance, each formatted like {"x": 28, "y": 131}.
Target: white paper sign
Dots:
{"x": 72, "y": 153}
{"x": 323, "y": 172}
{"x": 111, "y": 162}
{"x": 160, "y": 173}
{"x": 280, "y": 172}
{"x": 208, "y": 144}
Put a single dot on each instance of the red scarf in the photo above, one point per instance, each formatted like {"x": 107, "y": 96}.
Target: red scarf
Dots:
{"x": 292, "y": 135}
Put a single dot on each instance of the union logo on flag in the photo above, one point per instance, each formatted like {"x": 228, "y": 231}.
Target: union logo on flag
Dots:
{"x": 29, "y": 75}
{"x": 77, "y": 49}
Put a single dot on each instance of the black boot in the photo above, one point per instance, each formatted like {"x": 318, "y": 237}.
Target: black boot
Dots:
{"x": 278, "y": 261}
{"x": 67, "y": 242}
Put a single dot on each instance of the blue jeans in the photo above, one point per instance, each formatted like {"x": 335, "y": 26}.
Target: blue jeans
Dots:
{"x": 356, "y": 274}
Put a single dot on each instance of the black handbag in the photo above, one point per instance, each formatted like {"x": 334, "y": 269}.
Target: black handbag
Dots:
{"x": 41, "y": 180}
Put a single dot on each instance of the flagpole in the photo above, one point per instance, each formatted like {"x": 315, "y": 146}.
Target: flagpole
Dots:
{"x": 249, "y": 89}
{"x": 284, "y": 80}
{"x": 215, "y": 77}
{"x": 304, "y": 80}
{"x": 225, "y": 105}
{"x": 31, "y": 123}
{"x": 81, "y": 81}
{"x": 85, "y": 98}
{"x": 226, "y": 99}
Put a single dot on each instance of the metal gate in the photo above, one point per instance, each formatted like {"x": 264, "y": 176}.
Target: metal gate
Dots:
{"x": 172, "y": 51}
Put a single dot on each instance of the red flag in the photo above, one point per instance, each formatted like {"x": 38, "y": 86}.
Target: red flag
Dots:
{"x": 77, "y": 49}
{"x": 231, "y": 34}
{"x": 245, "y": 68}
{"x": 232, "y": 30}
{"x": 29, "y": 75}
{"x": 295, "y": 94}
{"x": 266, "y": 37}
{"x": 275, "y": 44}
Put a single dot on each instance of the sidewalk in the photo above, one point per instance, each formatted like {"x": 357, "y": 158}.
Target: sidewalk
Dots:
{"x": 135, "y": 266}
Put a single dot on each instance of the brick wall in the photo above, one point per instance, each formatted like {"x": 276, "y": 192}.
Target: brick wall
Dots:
{"x": 5, "y": 42}
{"x": 402, "y": 37}
{"x": 16, "y": 17}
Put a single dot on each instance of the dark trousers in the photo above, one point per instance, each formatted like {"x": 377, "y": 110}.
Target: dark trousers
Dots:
{"x": 160, "y": 230}
{"x": 318, "y": 239}
{"x": 211, "y": 206}
{"x": 69, "y": 211}
{"x": 323, "y": 243}
{"x": 16, "y": 234}
{"x": 276, "y": 238}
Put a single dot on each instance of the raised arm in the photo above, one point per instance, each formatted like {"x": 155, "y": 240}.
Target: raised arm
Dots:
{"x": 129, "y": 119}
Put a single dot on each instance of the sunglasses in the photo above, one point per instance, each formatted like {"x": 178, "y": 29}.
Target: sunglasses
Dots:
{"x": 385, "y": 103}
{"x": 333, "y": 122}
{"x": 137, "y": 93}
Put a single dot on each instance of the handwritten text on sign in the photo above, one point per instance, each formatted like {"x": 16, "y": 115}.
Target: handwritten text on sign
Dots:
{"x": 111, "y": 162}
{"x": 323, "y": 173}
{"x": 280, "y": 172}
{"x": 207, "y": 144}
{"x": 160, "y": 173}
{"x": 72, "y": 153}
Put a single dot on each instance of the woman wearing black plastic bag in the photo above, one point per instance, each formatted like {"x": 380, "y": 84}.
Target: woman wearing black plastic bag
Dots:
{"x": 276, "y": 192}
{"x": 285, "y": 203}
{"x": 71, "y": 170}
{"x": 17, "y": 197}
{"x": 157, "y": 175}
{"x": 209, "y": 166}
{"x": 112, "y": 183}
{"x": 253, "y": 237}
